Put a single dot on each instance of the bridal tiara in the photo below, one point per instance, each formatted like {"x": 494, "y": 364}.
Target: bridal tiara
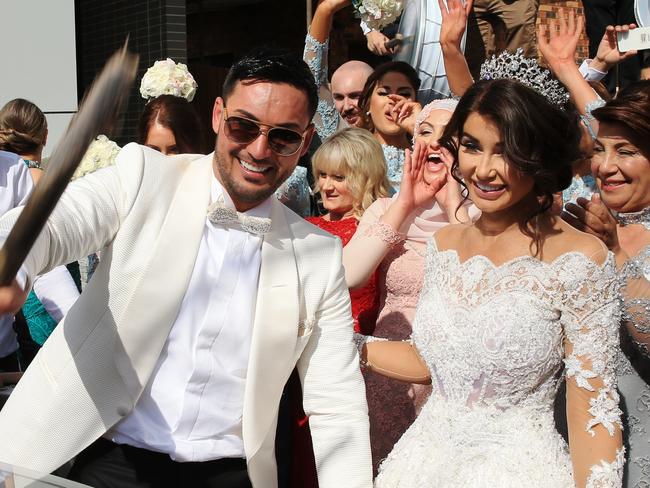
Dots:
{"x": 515, "y": 66}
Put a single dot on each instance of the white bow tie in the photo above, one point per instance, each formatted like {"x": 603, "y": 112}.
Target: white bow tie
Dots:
{"x": 219, "y": 214}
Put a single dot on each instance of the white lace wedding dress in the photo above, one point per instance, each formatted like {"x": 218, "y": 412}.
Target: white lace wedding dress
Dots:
{"x": 495, "y": 339}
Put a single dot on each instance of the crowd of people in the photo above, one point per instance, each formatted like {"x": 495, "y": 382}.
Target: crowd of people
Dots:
{"x": 455, "y": 293}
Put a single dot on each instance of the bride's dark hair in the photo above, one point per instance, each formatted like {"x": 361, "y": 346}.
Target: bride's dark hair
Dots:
{"x": 538, "y": 139}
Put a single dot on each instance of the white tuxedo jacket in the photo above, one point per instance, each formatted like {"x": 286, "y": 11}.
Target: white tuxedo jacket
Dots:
{"x": 148, "y": 212}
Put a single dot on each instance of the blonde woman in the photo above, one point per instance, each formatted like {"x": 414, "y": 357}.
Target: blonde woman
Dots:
{"x": 350, "y": 174}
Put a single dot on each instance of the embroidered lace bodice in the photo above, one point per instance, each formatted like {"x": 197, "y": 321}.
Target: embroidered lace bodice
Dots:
{"x": 496, "y": 339}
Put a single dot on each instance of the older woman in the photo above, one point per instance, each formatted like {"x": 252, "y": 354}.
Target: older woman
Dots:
{"x": 621, "y": 166}
{"x": 350, "y": 174}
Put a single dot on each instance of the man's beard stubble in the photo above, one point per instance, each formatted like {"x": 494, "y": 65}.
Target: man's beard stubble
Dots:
{"x": 236, "y": 191}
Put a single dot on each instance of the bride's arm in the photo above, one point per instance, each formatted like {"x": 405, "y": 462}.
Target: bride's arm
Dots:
{"x": 594, "y": 217}
{"x": 591, "y": 319}
{"x": 397, "y": 360}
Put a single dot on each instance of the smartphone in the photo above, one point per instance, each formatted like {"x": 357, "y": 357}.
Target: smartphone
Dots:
{"x": 637, "y": 39}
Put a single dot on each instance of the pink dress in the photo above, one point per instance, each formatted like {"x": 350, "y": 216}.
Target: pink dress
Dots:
{"x": 393, "y": 405}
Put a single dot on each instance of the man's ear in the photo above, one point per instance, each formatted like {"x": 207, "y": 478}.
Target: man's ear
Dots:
{"x": 309, "y": 135}
{"x": 217, "y": 114}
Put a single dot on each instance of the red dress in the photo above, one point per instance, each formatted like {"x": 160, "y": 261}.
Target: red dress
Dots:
{"x": 365, "y": 301}
{"x": 365, "y": 308}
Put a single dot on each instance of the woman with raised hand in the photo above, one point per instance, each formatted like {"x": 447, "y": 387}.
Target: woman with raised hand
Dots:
{"x": 510, "y": 304}
{"x": 350, "y": 174}
{"x": 391, "y": 242}
{"x": 558, "y": 43}
{"x": 621, "y": 165}
{"x": 389, "y": 84}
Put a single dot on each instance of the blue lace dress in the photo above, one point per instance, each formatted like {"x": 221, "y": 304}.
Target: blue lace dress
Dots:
{"x": 295, "y": 193}
{"x": 581, "y": 186}
{"x": 633, "y": 366}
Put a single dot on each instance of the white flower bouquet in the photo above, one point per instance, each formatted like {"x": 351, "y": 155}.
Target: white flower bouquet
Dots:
{"x": 100, "y": 154}
{"x": 168, "y": 78}
{"x": 377, "y": 14}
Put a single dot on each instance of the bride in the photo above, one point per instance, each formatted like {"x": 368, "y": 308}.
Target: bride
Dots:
{"x": 505, "y": 302}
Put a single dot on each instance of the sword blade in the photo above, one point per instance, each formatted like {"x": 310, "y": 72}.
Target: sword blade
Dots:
{"x": 98, "y": 111}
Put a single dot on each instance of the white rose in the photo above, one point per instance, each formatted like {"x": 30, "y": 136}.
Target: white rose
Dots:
{"x": 379, "y": 13}
{"x": 100, "y": 154}
{"x": 168, "y": 78}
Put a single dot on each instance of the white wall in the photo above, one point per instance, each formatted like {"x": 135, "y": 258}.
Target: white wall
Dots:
{"x": 38, "y": 59}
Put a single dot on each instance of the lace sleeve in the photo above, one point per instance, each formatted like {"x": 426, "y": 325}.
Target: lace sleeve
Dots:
{"x": 635, "y": 291}
{"x": 327, "y": 120}
{"x": 591, "y": 317}
{"x": 294, "y": 192}
{"x": 369, "y": 245}
{"x": 588, "y": 118}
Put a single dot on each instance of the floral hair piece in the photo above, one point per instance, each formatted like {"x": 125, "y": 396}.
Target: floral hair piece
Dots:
{"x": 377, "y": 14}
{"x": 515, "y": 66}
{"x": 100, "y": 154}
{"x": 168, "y": 78}
{"x": 448, "y": 104}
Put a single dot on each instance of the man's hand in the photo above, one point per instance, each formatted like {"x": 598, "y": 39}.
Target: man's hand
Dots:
{"x": 608, "y": 54}
{"x": 377, "y": 43}
{"x": 12, "y": 297}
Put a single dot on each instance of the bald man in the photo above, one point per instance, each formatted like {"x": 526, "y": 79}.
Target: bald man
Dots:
{"x": 347, "y": 87}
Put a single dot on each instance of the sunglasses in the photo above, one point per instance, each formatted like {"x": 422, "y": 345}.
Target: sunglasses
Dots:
{"x": 282, "y": 141}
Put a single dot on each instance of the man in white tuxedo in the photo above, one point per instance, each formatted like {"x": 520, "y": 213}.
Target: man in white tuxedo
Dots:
{"x": 169, "y": 369}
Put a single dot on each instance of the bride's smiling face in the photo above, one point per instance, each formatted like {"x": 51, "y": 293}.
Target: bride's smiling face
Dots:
{"x": 494, "y": 185}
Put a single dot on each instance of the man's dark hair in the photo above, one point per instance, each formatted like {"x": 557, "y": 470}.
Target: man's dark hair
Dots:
{"x": 275, "y": 66}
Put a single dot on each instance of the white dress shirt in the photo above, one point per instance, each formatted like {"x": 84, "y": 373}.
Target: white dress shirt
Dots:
{"x": 192, "y": 406}
{"x": 589, "y": 73}
{"x": 16, "y": 185}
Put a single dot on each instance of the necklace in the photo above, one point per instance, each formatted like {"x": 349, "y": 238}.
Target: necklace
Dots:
{"x": 641, "y": 217}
